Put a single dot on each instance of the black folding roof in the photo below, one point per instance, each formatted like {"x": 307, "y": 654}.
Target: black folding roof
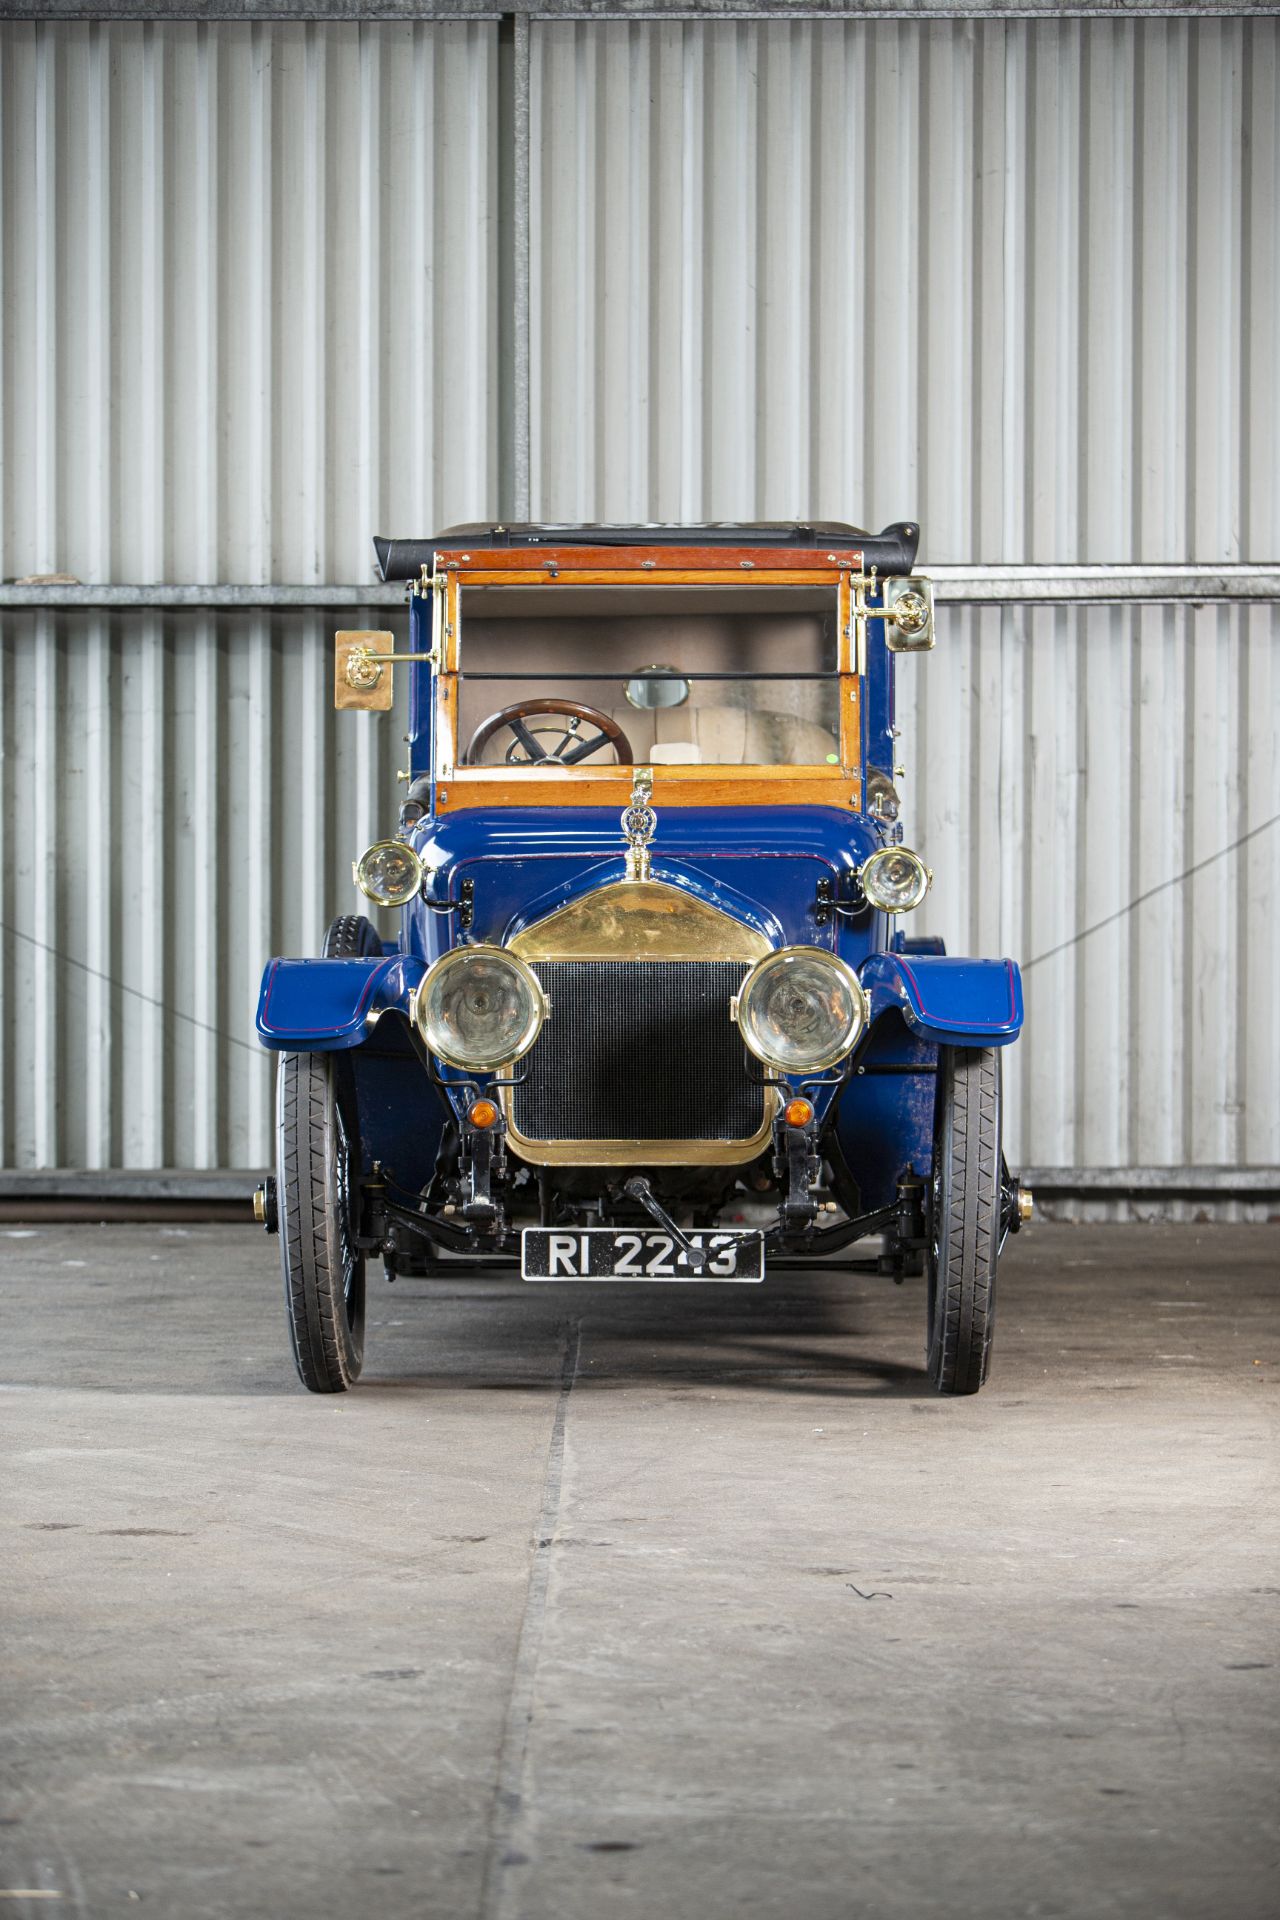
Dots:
{"x": 890, "y": 552}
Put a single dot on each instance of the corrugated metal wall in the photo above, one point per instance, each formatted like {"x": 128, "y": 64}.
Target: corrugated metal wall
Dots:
{"x": 178, "y": 800}
{"x": 250, "y": 294}
{"x": 1064, "y": 767}
{"x": 1018, "y": 279}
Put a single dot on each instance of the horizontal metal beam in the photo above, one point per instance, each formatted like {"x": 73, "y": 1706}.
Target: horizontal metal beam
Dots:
{"x": 964, "y": 586}
{"x": 170, "y": 599}
{"x": 652, "y": 10}
{"x": 1108, "y": 585}
{"x": 146, "y": 1183}
{"x": 1153, "y": 1183}
{"x": 61, "y": 1194}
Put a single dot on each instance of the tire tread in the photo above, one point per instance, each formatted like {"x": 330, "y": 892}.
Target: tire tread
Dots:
{"x": 327, "y": 1361}
{"x": 351, "y": 937}
{"x": 969, "y": 1138}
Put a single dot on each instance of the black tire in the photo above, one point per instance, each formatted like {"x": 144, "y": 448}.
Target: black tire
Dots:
{"x": 350, "y": 937}
{"x": 964, "y": 1219}
{"x": 324, "y": 1272}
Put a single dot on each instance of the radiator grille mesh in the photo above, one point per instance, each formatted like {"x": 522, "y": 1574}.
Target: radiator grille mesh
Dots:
{"x": 639, "y": 1050}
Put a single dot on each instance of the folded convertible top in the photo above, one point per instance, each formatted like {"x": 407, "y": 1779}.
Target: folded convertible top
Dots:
{"x": 890, "y": 552}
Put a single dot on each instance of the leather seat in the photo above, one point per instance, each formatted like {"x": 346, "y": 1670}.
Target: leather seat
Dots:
{"x": 726, "y": 736}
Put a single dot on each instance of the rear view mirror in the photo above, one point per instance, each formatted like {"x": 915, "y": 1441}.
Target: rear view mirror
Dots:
{"x": 908, "y": 605}
{"x": 361, "y": 673}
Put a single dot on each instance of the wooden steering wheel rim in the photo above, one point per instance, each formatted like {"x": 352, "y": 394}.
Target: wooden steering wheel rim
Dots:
{"x": 572, "y": 709}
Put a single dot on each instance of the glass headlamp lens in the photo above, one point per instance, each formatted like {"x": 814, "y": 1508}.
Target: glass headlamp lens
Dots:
{"x": 895, "y": 879}
{"x": 801, "y": 1009}
{"x": 480, "y": 1008}
{"x": 389, "y": 873}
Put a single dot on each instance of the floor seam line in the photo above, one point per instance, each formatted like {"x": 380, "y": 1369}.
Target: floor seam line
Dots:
{"x": 508, "y": 1801}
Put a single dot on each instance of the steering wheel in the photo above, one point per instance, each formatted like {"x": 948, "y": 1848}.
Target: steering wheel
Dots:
{"x": 529, "y": 744}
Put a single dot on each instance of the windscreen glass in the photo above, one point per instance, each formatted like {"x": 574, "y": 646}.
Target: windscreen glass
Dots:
{"x": 588, "y": 676}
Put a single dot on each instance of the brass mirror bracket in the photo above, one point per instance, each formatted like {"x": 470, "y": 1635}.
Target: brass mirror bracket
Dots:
{"x": 362, "y": 675}
{"x": 907, "y": 611}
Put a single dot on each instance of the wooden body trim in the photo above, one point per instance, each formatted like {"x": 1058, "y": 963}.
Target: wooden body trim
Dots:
{"x": 629, "y": 577}
{"x": 673, "y": 786}
{"x": 493, "y": 565}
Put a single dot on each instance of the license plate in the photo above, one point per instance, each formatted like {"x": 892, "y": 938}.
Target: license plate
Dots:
{"x": 641, "y": 1253}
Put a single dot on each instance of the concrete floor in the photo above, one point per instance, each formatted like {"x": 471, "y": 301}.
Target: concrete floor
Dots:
{"x": 648, "y": 1603}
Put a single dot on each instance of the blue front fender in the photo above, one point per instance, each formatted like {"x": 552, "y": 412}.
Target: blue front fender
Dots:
{"x": 318, "y": 1006}
{"x": 953, "y": 1002}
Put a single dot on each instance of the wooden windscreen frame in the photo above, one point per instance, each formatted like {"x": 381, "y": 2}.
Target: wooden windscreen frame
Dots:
{"x": 462, "y": 788}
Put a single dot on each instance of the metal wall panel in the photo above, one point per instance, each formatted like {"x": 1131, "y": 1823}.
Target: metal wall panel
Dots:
{"x": 1016, "y": 279}
{"x": 249, "y": 295}
{"x": 157, "y": 842}
{"x": 1098, "y": 791}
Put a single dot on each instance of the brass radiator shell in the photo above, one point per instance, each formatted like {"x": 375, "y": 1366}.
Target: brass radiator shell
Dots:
{"x": 652, "y": 922}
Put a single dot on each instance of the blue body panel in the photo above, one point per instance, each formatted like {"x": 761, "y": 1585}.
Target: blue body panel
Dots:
{"x": 953, "y": 1002}
{"x": 519, "y": 878}
{"x": 318, "y": 1006}
{"x": 402, "y": 1115}
{"x": 760, "y": 864}
{"x": 884, "y": 1120}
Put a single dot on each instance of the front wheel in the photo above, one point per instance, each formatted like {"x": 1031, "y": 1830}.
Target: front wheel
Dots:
{"x": 964, "y": 1218}
{"x": 317, "y": 1156}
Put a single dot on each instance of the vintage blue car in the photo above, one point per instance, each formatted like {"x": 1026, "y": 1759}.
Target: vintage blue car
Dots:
{"x": 651, "y": 1015}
